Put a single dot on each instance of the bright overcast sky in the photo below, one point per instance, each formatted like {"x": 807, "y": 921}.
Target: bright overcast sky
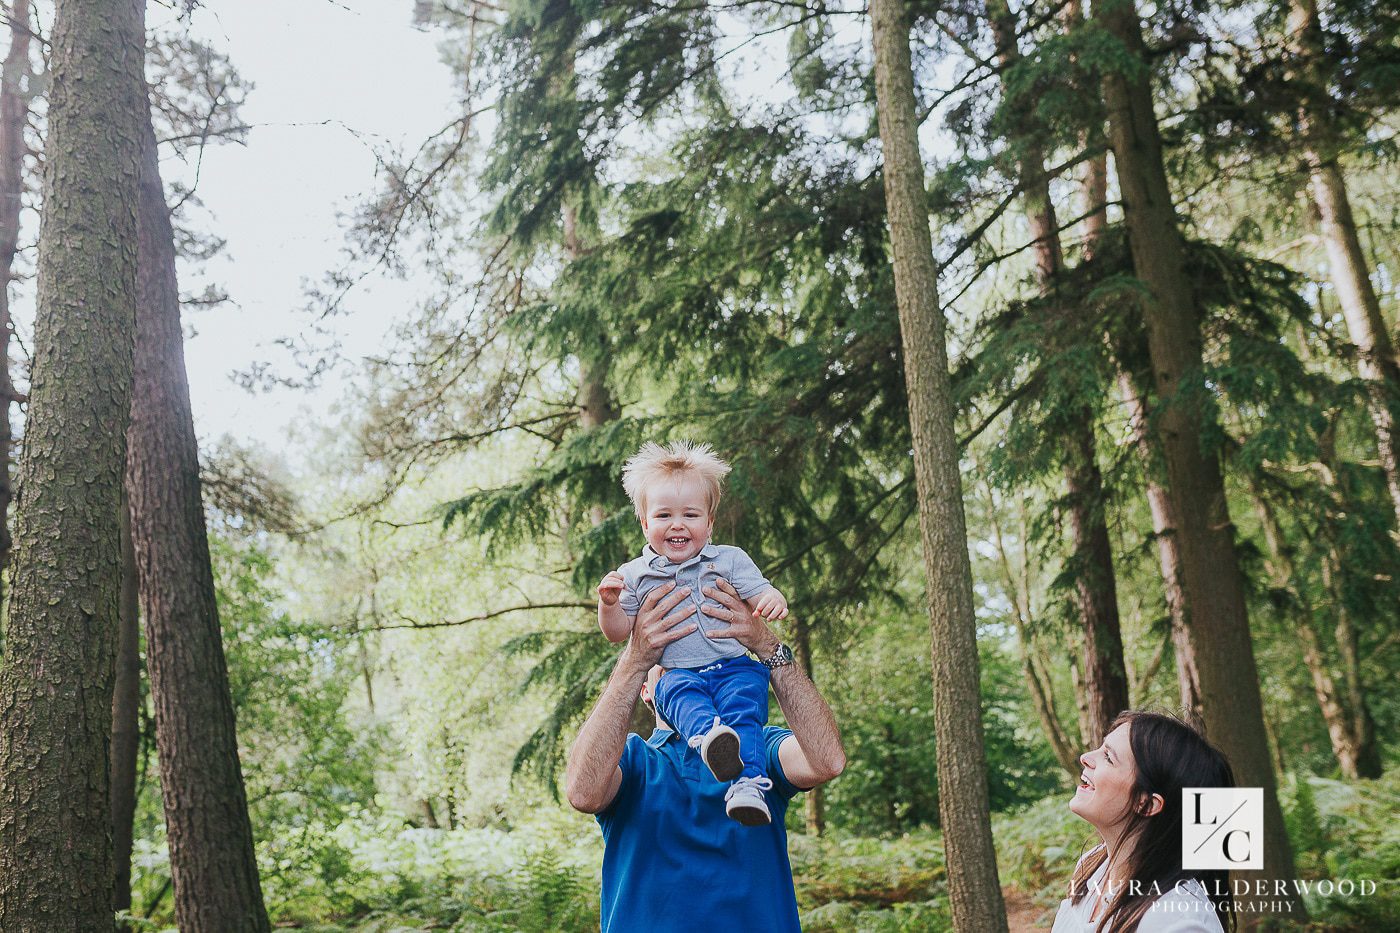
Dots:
{"x": 332, "y": 78}
{"x": 327, "y": 74}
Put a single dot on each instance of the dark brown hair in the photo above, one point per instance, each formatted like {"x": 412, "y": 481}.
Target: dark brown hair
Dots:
{"x": 1169, "y": 754}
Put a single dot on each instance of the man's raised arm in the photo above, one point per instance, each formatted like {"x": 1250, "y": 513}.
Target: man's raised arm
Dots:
{"x": 814, "y": 754}
{"x": 593, "y": 776}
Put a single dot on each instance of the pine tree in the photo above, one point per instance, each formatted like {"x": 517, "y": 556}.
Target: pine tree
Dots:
{"x": 1212, "y": 583}
{"x": 1105, "y": 678}
{"x": 1348, "y": 269}
{"x": 56, "y": 684}
{"x": 973, "y": 889}
{"x": 206, "y": 811}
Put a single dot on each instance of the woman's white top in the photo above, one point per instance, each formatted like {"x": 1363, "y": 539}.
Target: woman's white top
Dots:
{"x": 1181, "y": 909}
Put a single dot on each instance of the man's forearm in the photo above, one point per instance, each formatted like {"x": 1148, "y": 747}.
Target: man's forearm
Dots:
{"x": 594, "y": 756}
{"x": 810, "y": 720}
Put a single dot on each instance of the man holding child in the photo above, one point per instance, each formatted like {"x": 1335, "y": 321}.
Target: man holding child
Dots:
{"x": 693, "y": 824}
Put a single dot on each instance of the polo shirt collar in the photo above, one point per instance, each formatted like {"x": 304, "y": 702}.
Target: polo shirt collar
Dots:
{"x": 659, "y": 737}
{"x": 709, "y": 552}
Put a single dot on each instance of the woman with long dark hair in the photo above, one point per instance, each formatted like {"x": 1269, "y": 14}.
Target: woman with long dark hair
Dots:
{"x": 1130, "y": 792}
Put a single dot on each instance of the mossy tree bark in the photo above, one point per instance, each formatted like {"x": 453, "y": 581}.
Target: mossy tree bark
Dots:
{"x": 206, "y": 811}
{"x": 56, "y": 684}
{"x": 973, "y": 889}
{"x": 1212, "y": 584}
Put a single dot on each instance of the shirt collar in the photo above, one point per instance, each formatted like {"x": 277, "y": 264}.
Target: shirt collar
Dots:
{"x": 659, "y": 737}
{"x": 709, "y": 552}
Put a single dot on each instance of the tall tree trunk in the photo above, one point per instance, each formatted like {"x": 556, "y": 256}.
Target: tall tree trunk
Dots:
{"x": 1105, "y": 677}
{"x": 595, "y": 401}
{"x": 206, "y": 812}
{"x": 973, "y": 890}
{"x": 1212, "y": 585}
{"x": 1282, "y": 574}
{"x": 56, "y": 683}
{"x": 1164, "y": 526}
{"x": 14, "y": 109}
{"x": 126, "y": 719}
{"x": 1094, "y": 205}
{"x": 1038, "y": 685}
{"x": 1363, "y": 726}
{"x": 1347, "y": 266}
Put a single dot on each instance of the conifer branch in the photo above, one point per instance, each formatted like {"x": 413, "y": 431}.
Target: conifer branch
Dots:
{"x": 408, "y": 623}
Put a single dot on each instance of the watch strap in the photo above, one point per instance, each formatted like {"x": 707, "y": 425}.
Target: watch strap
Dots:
{"x": 781, "y": 657}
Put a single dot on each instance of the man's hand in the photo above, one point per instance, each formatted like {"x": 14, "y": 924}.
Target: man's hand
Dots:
{"x": 656, "y": 625}
{"x": 593, "y": 775}
{"x": 610, "y": 590}
{"x": 771, "y": 604}
{"x": 813, "y": 754}
{"x": 745, "y": 627}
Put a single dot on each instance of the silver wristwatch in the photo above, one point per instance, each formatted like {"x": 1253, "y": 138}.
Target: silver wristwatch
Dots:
{"x": 781, "y": 657}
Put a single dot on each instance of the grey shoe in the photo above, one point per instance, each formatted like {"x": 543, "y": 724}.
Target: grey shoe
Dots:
{"x": 744, "y": 801}
{"x": 719, "y": 749}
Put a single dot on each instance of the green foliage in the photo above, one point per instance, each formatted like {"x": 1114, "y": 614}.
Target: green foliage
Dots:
{"x": 883, "y": 699}
{"x": 378, "y": 874}
{"x": 302, "y": 758}
{"x": 714, "y": 251}
{"x": 865, "y": 884}
{"x": 1356, "y": 836}
{"x": 582, "y": 663}
{"x": 543, "y": 875}
{"x": 1038, "y": 847}
{"x": 1305, "y": 825}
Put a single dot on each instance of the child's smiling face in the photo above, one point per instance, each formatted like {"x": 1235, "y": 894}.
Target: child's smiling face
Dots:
{"x": 677, "y": 520}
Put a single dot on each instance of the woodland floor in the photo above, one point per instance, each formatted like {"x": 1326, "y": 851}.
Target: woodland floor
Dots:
{"x": 1021, "y": 912}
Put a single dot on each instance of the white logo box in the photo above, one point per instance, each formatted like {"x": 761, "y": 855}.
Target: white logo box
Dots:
{"x": 1222, "y": 828}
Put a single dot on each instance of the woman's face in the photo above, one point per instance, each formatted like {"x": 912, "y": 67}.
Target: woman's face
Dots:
{"x": 1105, "y": 793}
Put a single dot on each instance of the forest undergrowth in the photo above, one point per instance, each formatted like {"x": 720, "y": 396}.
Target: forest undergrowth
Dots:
{"x": 374, "y": 874}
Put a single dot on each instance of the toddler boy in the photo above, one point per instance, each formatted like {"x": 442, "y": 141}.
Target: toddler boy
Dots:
{"x": 712, "y": 693}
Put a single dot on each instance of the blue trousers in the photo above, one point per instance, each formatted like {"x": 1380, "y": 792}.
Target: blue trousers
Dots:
{"x": 735, "y": 690}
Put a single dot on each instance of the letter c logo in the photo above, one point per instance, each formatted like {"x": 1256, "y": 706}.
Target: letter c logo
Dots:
{"x": 1225, "y": 845}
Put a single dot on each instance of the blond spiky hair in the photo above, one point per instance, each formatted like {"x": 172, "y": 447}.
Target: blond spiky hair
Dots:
{"x": 654, "y": 462}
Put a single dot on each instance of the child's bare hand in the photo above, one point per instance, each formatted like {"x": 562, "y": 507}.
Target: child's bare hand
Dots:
{"x": 610, "y": 590}
{"x": 772, "y": 605}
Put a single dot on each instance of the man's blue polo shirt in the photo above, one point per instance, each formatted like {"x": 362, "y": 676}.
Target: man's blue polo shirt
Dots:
{"x": 672, "y": 859}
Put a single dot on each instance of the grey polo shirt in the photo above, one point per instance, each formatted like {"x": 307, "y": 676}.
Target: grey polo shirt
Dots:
{"x": 651, "y": 570}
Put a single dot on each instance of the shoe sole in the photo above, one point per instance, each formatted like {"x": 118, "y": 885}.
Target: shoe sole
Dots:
{"x": 750, "y": 816}
{"x": 722, "y": 757}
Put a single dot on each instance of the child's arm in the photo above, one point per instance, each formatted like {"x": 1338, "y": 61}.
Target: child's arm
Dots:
{"x": 771, "y": 604}
{"x": 757, "y": 593}
{"x": 614, "y": 622}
